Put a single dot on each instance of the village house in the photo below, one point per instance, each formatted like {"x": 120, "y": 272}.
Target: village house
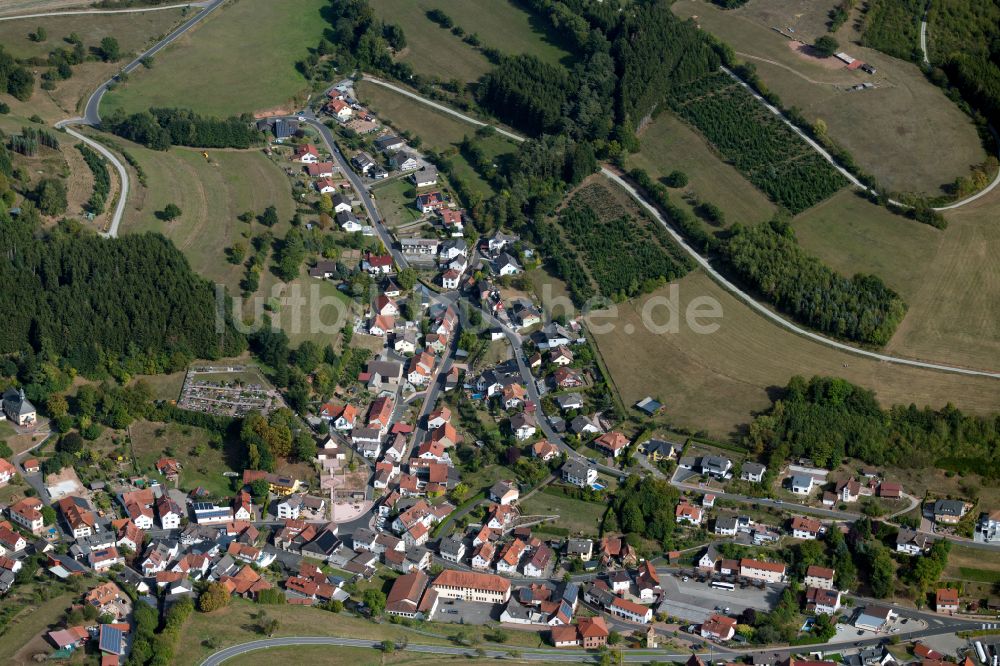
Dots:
{"x": 822, "y": 600}
{"x": 504, "y": 492}
{"x": 544, "y": 450}
{"x": 612, "y": 443}
{"x": 752, "y": 472}
{"x": 805, "y": 528}
{"x": 306, "y": 154}
{"x": 718, "y": 627}
{"x": 821, "y": 577}
{"x": 578, "y": 473}
{"x": 411, "y": 597}
{"x": 946, "y": 600}
{"x": 479, "y": 587}
{"x": 688, "y": 513}
{"x": 769, "y": 572}
{"x": 911, "y": 542}
{"x": 949, "y": 512}
{"x": 630, "y": 611}
{"x": 425, "y": 177}
{"x": 28, "y": 514}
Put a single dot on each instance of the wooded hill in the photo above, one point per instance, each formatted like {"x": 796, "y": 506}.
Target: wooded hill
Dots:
{"x": 104, "y": 305}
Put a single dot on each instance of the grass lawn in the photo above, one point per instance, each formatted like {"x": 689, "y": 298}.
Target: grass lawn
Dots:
{"x": 133, "y": 31}
{"x": 715, "y": 382}
{"x": 236, "y": 624}
{"x": 229, "y": 65}
{"x": 151, "y": 440}
{"x": 669, "y": 144}
{"x": 577, "y": 516}
{"x": 322, "y": 655}
{"x": 394, "y": 203}
{"x": 905, "y": 131}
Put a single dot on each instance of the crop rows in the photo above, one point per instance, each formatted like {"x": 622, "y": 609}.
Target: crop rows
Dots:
{"x": 762, "y": 147}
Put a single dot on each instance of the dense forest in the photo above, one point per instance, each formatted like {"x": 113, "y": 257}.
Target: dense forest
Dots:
{"x": 893, "y": 27}
{"x": 527, "y": 92}
{"x": 826, "y": 419}
{"x": 654, "y": 51}
{"x": 964, "y": 41}
{"x": 769, "y": 259}
{"x": 104, "y": 305}
{"x": 772, "y": 156}
{"x": 161, "y": 128}
{"x": 15, "y": 79}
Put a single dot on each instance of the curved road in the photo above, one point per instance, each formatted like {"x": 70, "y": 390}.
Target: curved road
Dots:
{"x": 707, "y": 266}
{"x": 92, "y": 115}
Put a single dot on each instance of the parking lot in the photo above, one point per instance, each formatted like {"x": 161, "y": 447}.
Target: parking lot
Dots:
{"x": 694, "y": 601}
{"x": 466, "y": 612}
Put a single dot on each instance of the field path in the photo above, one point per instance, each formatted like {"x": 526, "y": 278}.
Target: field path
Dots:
{"x": 789, "y": 69}
{"x": 707, "y": 266}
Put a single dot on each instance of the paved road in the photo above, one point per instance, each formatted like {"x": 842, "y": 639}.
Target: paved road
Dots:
{"x": 359, "y": 187}
{"x": 116, "y": 218}
{"x": 704, "y": 263}
{"x": 92, "y": 114}
{"x": 73, "y": 12}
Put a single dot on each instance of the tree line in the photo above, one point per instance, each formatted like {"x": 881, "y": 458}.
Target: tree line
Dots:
{"x": 105, "y": 304}
{"x": 827, "y": 419}
{"x": 161, "y": 128}
{"x": 769, "y": 259}
{"x": 102, "y": 179}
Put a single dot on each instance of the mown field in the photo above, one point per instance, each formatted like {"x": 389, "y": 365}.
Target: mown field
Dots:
{"x": 850, "y": 235}
{"x": 953, "y": 312}
{"x": 715, "y": 382}
{"x": 905, "y": 132}
{"x": 229, "y": 65}
{"x": 433, "y": 51}
{"x": 668, "y": 144}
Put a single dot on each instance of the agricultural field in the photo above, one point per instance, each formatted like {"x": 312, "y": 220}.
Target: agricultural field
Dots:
{"x": 769, "y": 153}
{"x": 715, "y": 382}
{"x": 216, "y": 69}
{"x": 668, "y": 144}
{"x": 618, "y": 257}
{"x": 952, "y": 314}
{"x": 904, "y": 131}
{"x": 578, "y": 516}
{"x": 433, "y": 51}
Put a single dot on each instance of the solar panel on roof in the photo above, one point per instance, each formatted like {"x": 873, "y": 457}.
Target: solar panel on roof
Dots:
{"x": 111, "y": 639}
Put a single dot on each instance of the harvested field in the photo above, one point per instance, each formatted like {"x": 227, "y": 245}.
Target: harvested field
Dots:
{"x": 905, "y": 131}
{"x": 715, "y": 382}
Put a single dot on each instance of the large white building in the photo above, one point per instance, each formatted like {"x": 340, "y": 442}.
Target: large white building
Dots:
{"x": 469, "y": 586}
